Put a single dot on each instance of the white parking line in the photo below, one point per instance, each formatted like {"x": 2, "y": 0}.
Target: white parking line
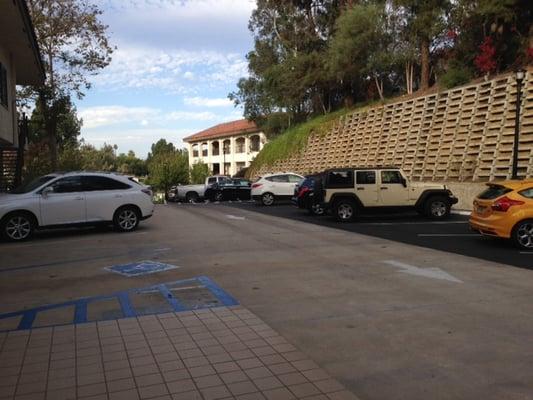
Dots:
{"x": 413, "y": 223}
{"x": 447, "y": 234}
{"x": 461, "y": 212}
{"x": 235, "y": 217}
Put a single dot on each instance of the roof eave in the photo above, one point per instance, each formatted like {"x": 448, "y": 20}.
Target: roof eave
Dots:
{"x": 30, "y": 30}
{"x": 222, "y": 135}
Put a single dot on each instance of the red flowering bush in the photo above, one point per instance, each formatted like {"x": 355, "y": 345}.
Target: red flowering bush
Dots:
{"x": 485, "y": 61}
{"x": 530, "y": 54}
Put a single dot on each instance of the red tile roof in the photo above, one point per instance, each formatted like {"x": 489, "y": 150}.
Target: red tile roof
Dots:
{"x": 223, "y": 130}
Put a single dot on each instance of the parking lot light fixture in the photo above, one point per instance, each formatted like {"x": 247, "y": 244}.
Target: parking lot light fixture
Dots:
{"x": 520, "y": 74}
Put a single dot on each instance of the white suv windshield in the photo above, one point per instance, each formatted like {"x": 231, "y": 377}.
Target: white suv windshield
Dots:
{"x": 32, "y": 185}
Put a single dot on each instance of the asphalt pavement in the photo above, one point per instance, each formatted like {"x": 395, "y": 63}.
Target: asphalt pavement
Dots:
{"x": 452, "y": 235}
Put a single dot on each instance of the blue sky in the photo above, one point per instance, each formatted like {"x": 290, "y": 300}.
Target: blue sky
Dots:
{"x": 175, "y": 63}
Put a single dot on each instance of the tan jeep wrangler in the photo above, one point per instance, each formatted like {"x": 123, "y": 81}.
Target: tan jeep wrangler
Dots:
{"x": 348, "y": 191}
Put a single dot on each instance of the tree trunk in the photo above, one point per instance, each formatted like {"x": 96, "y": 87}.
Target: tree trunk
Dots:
{"x": 51, "y": 133}
{"x": 379, "y": 86}
{"x": 409, "y": 77}
{"x": 424, "y": 63}
{"x": 50, "y": 127}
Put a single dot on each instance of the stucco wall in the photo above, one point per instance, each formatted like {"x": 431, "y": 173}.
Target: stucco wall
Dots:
{"x": 8, "y": 115}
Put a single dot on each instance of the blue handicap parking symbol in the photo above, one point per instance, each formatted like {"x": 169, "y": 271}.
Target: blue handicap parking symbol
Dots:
{"x": 140, "y": 268}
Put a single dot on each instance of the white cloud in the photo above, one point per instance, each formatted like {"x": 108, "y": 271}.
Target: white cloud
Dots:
{"x": 191, "y": 116}
{"x": 192, "y": 24}
{"x": 101, "y": 116}
{"x": 94, "y": 117}
{"x": 207, "y": 102}
{"x": 152, "y": 68}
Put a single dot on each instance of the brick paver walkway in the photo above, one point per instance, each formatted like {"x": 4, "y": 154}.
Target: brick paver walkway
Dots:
{"x": 210, "y": 354}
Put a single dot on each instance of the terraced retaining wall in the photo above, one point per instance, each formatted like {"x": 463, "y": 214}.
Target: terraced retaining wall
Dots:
{"x": 462, "y": 135}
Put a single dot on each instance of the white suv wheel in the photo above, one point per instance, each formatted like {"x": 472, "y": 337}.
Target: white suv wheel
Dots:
{"x": 126, "y": 219}
{"x": 18, "y": 227}
{"x": 267, "y": 199}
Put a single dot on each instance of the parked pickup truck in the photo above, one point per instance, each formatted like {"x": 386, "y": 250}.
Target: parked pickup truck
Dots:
{"x": 193, "y": 193}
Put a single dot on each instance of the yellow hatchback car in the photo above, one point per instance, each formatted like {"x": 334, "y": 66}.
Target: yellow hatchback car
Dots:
{"x": 505, "y": 209}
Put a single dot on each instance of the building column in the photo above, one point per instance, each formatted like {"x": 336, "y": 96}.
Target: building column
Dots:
{"x": 189, "y": 147}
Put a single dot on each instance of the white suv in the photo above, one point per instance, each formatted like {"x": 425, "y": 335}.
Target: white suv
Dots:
{"x": 78, "y": 198}
{"x": 269, "y": 188}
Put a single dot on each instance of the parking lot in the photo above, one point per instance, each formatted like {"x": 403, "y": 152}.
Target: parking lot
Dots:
{"x": 388, "y": 306}
{"x": 452, "y": 235}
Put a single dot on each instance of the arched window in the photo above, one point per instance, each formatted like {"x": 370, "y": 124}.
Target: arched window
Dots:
{"x": 195, "y": 150}
{"x": 215, "y": 148}
{"x": 255, "y": 143}
{"x": 204, "y": 149}
{"x": 227, "y": 146}
{"x": 239, "y": 143}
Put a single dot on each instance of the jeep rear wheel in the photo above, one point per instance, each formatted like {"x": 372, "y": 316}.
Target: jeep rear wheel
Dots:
{"x": 437, "y": 207}
{"x": 345, "y": 210}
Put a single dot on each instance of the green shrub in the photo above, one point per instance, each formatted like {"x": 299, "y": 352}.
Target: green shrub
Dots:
{"x": 456, "y": 75}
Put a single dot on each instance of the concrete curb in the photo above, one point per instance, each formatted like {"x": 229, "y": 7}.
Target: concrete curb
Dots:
{"x": 461, "y": 212}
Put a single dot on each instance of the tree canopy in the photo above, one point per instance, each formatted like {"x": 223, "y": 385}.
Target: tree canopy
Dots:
{"x": 74, "y": 45}
{"x": 314, "y": 56}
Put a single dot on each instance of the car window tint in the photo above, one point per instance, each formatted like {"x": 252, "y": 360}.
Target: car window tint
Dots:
{"x": 294, "y": 178}
{"x": 366, "y": 177}
{"x": 94, "y": 183}
{"x": 211, "y": 180}
{"x": 494, "y": 191}
{"x": 391, "y": 177}
{"x": 527, "y": 193}
{"x": 341, "y": 179}
{"x": 279, "y": 178}
{"x": 70, "y": 184}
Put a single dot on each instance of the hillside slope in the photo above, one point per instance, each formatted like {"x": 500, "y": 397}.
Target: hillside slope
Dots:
{"x": 464, "y": 134}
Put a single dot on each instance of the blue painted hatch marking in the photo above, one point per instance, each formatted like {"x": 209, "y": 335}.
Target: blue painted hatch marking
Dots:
{"x": 165, "y": 290}
{"x": 140, "y": 268}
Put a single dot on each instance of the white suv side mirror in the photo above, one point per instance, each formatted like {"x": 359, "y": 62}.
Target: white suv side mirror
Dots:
{"x": 47, "y": 190}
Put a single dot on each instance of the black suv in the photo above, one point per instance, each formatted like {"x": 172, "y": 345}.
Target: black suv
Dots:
{"x": 308, "y": 194}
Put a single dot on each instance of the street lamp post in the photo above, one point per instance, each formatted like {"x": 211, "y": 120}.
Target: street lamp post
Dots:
{"x": 224, "y": 159}
{"x": 519, "y": 78}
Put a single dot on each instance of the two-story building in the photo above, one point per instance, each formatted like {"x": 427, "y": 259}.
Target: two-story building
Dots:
{"x": 20, "y": 64}
{"x": 226, "y": 148}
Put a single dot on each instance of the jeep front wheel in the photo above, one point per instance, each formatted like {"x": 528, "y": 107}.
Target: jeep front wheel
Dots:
{"x": 437, "y": 207}
{"x": 345, "y": 210}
